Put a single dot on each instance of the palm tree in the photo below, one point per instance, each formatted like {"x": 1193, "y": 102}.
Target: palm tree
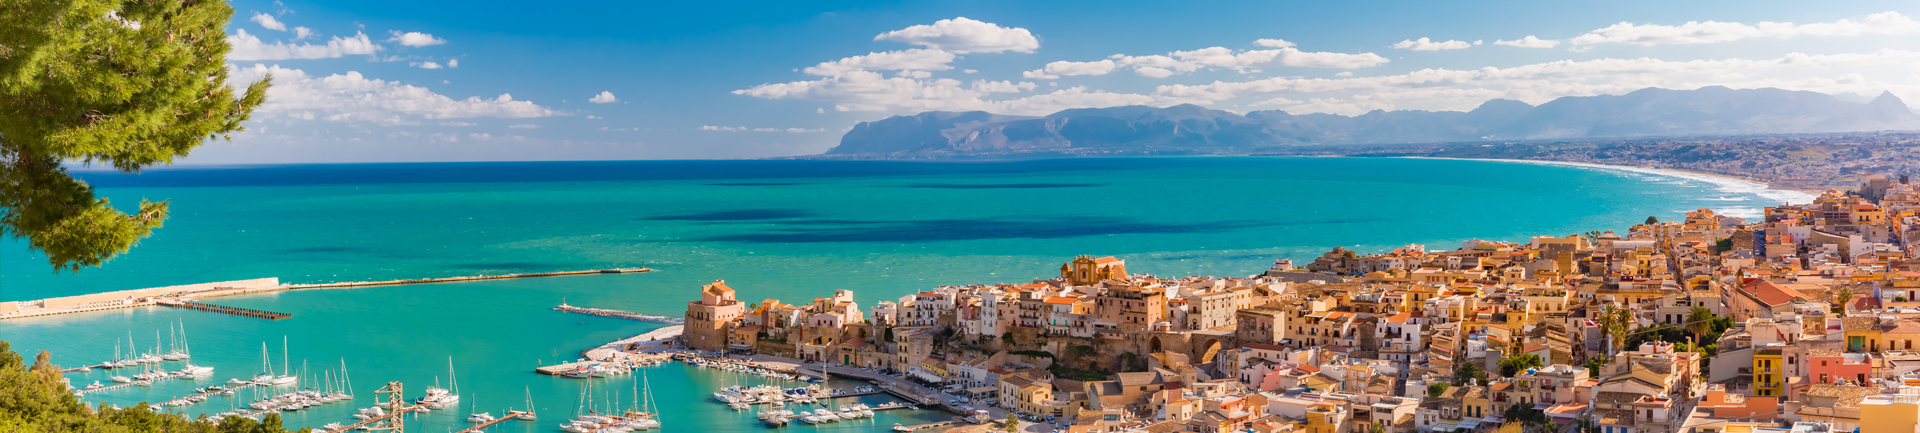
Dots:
{"x": 1841, "y": 298}
{"x": 1699, "y": 322}
{"x": 1615, "y": 322}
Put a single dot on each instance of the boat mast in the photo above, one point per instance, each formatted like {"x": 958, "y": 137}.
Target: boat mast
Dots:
{"x": 344, "y": 376}
{"x": 287, "y": 361}
{"x": 452, "y": 378}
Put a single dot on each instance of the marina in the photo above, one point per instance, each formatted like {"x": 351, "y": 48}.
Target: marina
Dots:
{"x": 602, "y": 312}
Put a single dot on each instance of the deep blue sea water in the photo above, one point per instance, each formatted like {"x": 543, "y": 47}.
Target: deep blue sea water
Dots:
{"x": 791, "y": 230}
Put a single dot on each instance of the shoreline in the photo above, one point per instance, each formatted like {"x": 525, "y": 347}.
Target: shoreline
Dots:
{"x": 1787, "y": 195}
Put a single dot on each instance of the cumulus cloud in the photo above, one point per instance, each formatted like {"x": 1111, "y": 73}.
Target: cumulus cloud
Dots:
{"x": 1248, "y": 61}
{"x": 425, "y": 65}
{"x": 914, "y": 59}
{"x": 1696, "y": 32}
{"x": 523, "y": 126}
{"x": 267, "y": 22}
{"x": 1273, "y": 43}
{"x": 1449, "y": 89}
{"x": 963, "y": 35}
{"x": 414, "y": 39}
{"x": 1064, "y": 68}
{"x": 605, "y": 97}
{"x": 249, "y": 47}
{"x": 453, "y": 63}
{"x": 302, "y": 33}
{"x": 1528, "y": 42}
{"x": 1424, "y": 44}
{"x": 352, "y": 97}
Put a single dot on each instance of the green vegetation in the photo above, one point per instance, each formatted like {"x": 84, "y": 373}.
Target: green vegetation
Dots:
{"x": 1130, "y": 362}
{"x": 1065, "y": 372}
{"x": 34, "y": 400}
{"x": 127, "y": 85}
{"x": 1032, "y": 353}
{"x": 1469, "y": 371}
{"x": 1528, "y": 416}
{"x": 1651, "y": 220}
{"x": 1013, "y": 423}
{"x": 1434, "y": 389}
{"x": 1593, "y": 364}
{"x": 1511, "y": 366}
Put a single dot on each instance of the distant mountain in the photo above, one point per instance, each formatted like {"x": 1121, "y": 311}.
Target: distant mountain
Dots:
{"x": 1195, "y": 129}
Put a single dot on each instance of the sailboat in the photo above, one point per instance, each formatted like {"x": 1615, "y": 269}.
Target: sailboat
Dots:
{"x": 266, "y": 367}
{"x": 645, "y": 418}
{"x": 438, "y": 395}
{"x": 176, "y": 354}
{"x": 286, "y": 378}
{"x": 528, "y": 415}
{"x": 186, "y": 352}
{"x": 479, "y": 417}
{"x": 346, "y": 385}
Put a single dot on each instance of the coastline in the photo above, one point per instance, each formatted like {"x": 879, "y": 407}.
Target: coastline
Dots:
{"x": 1727, "y": 183}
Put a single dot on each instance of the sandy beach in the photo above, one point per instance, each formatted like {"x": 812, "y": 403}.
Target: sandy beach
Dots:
{"x": 1728, "y": 183}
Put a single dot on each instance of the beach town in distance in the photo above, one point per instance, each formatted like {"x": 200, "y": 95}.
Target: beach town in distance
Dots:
{"x": 1707, "y": 320}
{"x": 991, "y": 216}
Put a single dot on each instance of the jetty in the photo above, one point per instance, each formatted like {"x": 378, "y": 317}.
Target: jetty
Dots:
{"x": 190, "y": 304}
{"x": 603, "y": 312}
{"x": 189, "y": 293}
{"x": 511, "y": 415}
{"x": 916, "y": 427}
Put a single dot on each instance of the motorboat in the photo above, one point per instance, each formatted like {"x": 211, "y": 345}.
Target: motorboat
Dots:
{"x": 121, "y": 379}
{"x": 96, "y": 385}
{"x": 901, "y": 428}
{"x": 196, "y": 370}
{"x": 480, "y": 418}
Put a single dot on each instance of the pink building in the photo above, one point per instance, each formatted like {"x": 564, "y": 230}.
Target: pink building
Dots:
{"x": 1833, "y": 366}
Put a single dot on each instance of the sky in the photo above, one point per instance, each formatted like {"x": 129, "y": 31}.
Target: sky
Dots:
{"x": 383, "y": 81}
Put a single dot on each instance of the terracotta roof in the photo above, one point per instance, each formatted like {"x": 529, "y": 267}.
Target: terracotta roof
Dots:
{"x": 1062, "y": 300}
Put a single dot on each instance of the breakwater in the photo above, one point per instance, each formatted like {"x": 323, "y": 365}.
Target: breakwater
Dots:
{"x": 248, "y": 312}
{"x": 603, "y": 312}
{"x": 178, "y": 296}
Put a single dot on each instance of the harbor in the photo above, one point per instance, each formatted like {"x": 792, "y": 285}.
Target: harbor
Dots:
{"x": 602, "y": 312}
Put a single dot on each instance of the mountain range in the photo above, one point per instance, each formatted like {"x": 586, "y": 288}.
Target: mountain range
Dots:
{"x": 1192, "y": 129}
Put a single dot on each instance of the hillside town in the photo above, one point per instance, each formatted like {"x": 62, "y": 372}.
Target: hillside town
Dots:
{"x": 1802, "y": 321}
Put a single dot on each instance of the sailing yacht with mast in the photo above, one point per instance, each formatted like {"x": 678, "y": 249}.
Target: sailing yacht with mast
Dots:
{"x": 266, "y": 367}
{"x": 479, "y": 417}
{"x": 528, "y": 415}
{"x": 441, "y": 396}
{"x": 186, "y": 352}
{"x": 286, "y": 372}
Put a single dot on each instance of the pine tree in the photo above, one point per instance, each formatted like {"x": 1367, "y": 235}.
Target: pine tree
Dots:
{"x": 121, "y": 84}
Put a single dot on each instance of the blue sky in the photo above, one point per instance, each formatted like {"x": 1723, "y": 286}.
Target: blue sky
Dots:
{"x": 364, "y": 81}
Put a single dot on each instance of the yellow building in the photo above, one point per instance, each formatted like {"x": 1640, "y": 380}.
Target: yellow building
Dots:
{"x": 1767, "y": 371}
{"x": 1897, "y": 413}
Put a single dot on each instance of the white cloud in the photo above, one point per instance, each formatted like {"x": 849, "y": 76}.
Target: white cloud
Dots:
{"x": 1424, "y": 44}
{"x": 523, "y": 126}
{"x": 1695, "y": 32}
{"x": 302, "y": 33}
{"x": 453, "y": 63}
{"x": 425, "y": 65}
{"x": 1528, "y": 42}
{"x": 1537, "y": 83}
{"x": 963, "y": 35}
{"x": 1152, "y": 72}
{"x": 1344, "y": 74}
{"x": 605, "y": 96}
{"x": 1273, "y": 43}
{"x": 969, "y": 71}
{"x": 984, "y": 86}
{"x": 914, "y": 59}
{"x": 480, "y": 136}
{"x": 352, "y": 97}
{"x": 267, "y": 22}
{"x": 445, "y": 123}
{"x": 593, "y": 117}
{"x": 414, "y": 39}
{"x": 743, "y": 128}
{"x": 1064, "y": 68}
{"x": 249, "y": 47}
{"x": 1244, "y": 61}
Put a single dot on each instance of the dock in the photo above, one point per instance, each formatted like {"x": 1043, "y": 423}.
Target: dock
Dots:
{"x": 562, "y": 368}
{"x": 390, "y": 415}
{"x": 917, "y": 427}
{"x": 511, "y": 415}
{"x": 248, "y": 312}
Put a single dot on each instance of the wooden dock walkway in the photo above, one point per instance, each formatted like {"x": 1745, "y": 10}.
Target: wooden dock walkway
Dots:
{"x": 191, "y": 304}
{"x": 511, "y": 415}
{"x": 389, "y": 415}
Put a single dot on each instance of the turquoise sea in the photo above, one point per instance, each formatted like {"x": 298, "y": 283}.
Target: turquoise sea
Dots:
{"x": 791, "y": 230}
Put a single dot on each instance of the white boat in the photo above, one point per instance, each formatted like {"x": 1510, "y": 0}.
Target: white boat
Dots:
{"x": 121, "y": 379}
{"x": 528, "y": 415}
{"x": 480, "y": 418}
{"x": 810, "y": 419}
{"x": 96, "y": 385}
{"x": 901, "y": 428}
{"x": 196, "y": 370}
{"x": 286, "y": 368}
